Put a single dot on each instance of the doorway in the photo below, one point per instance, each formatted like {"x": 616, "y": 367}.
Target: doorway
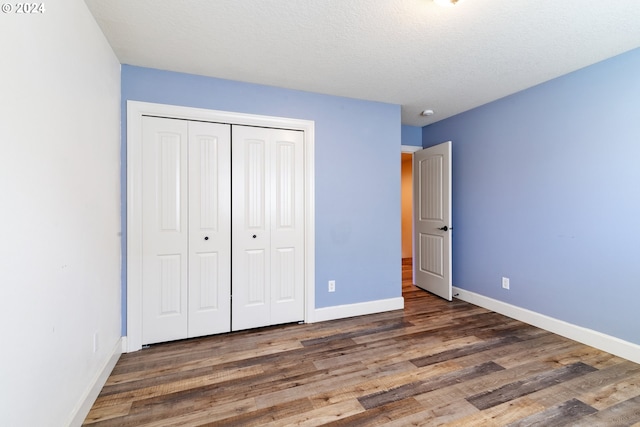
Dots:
{"x": 406, "y": 201}
{"x": 406, "y": 209}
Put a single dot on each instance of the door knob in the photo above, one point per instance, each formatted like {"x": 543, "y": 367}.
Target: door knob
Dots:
{"x": 445, "y": 228}
{"x": 254, "y": 236}
{"x": 206, "y": 237}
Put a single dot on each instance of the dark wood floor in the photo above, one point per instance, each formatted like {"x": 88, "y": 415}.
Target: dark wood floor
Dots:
{"x": 435, "y": 363}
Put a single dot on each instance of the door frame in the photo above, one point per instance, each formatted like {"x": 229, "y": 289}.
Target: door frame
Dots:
{"x": 410, "y": 149}
{"x": 135, "y": 111}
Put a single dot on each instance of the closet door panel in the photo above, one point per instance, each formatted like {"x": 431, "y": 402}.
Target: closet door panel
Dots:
{"x": 251, "y": 257}
{"x": 287, "y": 226}
{"x": 164, "y": 212}
{"x": 256, "y": 290}
{"x": 209, "y": 228}
{"x": 253, "y": 183}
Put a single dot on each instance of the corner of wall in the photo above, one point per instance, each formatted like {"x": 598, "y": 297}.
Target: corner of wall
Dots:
{"x": 80, "y": 412}
{"x": 613, "y": 345}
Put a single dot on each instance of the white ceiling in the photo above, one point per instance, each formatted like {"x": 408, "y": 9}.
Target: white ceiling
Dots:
{"x": 408, "y": 52}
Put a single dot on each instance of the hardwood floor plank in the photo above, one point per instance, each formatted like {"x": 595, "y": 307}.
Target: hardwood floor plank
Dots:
{"x": 553, "y": 350}
{"x": 481, "y": 384}
{"x": 321, "y": 416}
{"x": 464, "y": 351}
{"x": 527, "y": 386}
{"x": 500, "y": 415}
{"x": 374, "y": 329}
{"x": 559, "y": 415}
{"x": 381, "y": 383}
{"x": 416, "y": 388}
{"x": 103, "y": 413}
{"x": 360, "y": 353}
{"x": 559, "y": 393}
{"x": 165, "y": 364}
{"x": 587, "y": 355}
{"x": 190, "y": 418}
{"x": 166, "y": 388}
{"x": 514, "y": 354}
{"x": 626, "y": 413}
{"x": 618, "y": 390}
{"x": 267, "y": 415}
{"x": 331, "y": 380}
{"x": 436, "y": 415}
{"x": 380, "y": 415}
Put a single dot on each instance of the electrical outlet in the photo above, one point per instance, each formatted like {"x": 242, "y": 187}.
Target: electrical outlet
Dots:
{"x": 332, "y": 285}
{"x": 505, "y": 283}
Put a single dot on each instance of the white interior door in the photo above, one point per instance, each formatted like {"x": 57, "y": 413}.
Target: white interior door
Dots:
{"x": 267, "y": 227}
{"x": 432, "y": 219}
{"x": 164, "y": 229}
{"x": 209, "y": 229}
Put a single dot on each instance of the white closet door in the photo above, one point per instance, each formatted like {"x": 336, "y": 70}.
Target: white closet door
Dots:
{"x": 267, "y": 227}
{"x": 164, "y": 225}
{"x": 287, "y": 227}
{"x": 209, "y": 229}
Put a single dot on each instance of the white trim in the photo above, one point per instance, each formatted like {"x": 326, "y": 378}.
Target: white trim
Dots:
{"x": 358, "y": 309}
{"x": 409, "y": 148}
{"x": 135, "y": 111}
{"x": 81, "y": 411}
{"x": 586, "y": 336}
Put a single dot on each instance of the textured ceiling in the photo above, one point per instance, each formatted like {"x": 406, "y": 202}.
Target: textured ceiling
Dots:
{"x": 408, "y": 52}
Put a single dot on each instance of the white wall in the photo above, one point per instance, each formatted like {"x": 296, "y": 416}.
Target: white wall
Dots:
{"x": 59, "y": 215}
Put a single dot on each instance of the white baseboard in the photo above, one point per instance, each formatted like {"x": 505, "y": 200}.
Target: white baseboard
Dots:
{"x": 80, "y": 413}
{"x": 586, "y": 336}
{"x": 358, "y": 309}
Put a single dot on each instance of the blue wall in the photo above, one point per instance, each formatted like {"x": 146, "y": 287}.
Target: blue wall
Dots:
{"x": 546, "y": 191}
{"x": 411, "y": 135}
{"x": 357, "y": 174}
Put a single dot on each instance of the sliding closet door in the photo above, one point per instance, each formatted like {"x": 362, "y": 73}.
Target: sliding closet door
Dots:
{"x": 209, "y": 229}
{"x": 267, "y": 227}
